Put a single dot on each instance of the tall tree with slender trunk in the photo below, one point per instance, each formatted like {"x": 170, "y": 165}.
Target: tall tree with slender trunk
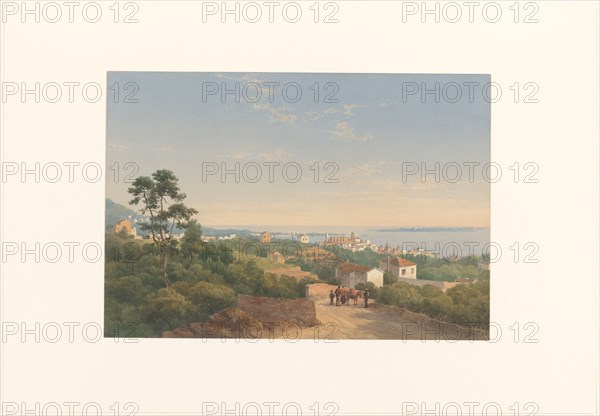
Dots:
{"x": 161, "y": 203}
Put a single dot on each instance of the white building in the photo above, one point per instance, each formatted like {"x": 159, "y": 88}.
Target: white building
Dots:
{"x": 350, "y": 274}
{"x": 399, "y": 267}
{"x": 304, "y": 239}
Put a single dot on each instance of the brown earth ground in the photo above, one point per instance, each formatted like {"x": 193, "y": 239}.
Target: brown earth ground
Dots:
{"x": 313, "y": 318}
{"x": 383, "y": 322}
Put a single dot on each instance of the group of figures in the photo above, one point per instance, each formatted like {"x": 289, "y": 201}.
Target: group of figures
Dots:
{"x": 342, "y": 296}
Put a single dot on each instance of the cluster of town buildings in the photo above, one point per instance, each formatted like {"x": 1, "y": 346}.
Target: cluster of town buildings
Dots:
{"x": 265, "y": 238}
{"x": 354, "y": 243}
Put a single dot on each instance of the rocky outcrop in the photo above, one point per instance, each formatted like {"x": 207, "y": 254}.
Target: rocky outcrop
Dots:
{"x": 253, "y": 317}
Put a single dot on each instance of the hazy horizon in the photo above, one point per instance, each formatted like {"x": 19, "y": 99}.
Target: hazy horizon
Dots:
{"x": 247, "y": 226}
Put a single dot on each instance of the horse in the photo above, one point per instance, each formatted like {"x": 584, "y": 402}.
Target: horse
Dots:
{"x": 344, "y": 297}
{"x": 355, "y": 295}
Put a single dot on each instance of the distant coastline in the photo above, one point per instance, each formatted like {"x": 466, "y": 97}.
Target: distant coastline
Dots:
{"x": 433, "y": 239}
{"x": 427, "y": 229}
{"x": 333, "y": 230}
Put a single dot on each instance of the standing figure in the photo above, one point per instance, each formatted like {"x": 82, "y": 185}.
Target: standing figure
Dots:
{"x": 338, "y": 293}
{"x": 331, "y": 297}
{"x": 344, "y": 295}
{"x": 366, "y": 296}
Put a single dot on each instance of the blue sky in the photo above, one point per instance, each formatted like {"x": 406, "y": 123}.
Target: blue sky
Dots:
{"x": 368, "y": 133}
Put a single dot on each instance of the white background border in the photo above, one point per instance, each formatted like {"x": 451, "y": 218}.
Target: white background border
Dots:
{"x": 559, "y": 294}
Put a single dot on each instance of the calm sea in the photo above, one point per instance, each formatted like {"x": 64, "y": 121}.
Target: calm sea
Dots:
{"x": 442, "y": 240}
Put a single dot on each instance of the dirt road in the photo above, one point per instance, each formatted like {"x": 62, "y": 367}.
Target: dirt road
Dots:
{"x": 313, "y": 318}
{"x": 380, "y": 322}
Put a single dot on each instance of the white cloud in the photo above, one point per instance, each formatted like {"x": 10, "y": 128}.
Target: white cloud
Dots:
{"x": 116, "y": 146}
{"x": 314, "y": 116}
{"x": 362, "y": 170}
{"x": 345, "y": 133}
{"x": 267, "y": 155}
{"x": 387, "y": 103}
{"x": 166, "y": 149}
{"x": 274, "y": 155}
{"x": 237, "y": 155}
{"x": 277, "y": 114}
{"x": 348, "y": 109}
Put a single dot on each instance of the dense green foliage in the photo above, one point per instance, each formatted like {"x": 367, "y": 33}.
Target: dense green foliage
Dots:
{"x": 373, "y": 290}
{"x": 204, "y": 279}
{"x": 325, "y": 270}
{"x": 463, "y": 304}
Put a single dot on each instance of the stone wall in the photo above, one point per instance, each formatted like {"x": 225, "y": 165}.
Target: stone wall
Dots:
{"x": 420, "y": 282}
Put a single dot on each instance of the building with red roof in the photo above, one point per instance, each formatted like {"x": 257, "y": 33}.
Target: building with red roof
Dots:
{"x": 399, "y": 267}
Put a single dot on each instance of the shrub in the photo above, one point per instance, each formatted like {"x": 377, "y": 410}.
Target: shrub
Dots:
{"x": 210, "y": 298}
{"x": 167, "y": 309}
{"x": 373, "y": 290}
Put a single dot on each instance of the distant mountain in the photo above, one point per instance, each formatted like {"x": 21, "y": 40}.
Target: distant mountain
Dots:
{"x": 116, "y": 212}
{"x": 426, "y": 229}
